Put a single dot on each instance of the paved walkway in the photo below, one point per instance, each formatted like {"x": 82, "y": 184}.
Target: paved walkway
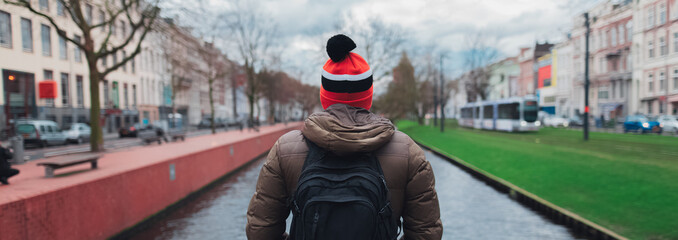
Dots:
{"x": 31, "y": 181}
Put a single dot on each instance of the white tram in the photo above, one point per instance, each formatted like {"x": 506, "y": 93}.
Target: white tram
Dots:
{"x": 517, "y": 114}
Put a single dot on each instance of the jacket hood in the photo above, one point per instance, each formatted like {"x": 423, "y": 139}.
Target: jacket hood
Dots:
{"x": 343, "y": 130}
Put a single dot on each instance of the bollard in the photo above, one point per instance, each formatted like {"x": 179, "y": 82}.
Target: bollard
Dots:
{"x": 17, "y": 145}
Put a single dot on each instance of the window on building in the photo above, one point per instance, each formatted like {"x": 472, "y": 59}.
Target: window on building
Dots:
{"x": 650, "y": 49}
{"x": 603, "y": 94}
{"x": 613, "y": 39}
{"x": 614, "y": 90}
{"x": 77, "y": 52}
{"x": 79, "y": 88}
{"x": 650, "y": 83}
{"x": 622, "y": 36}
{"x": 662, "y": 79}
{"x": 123, "y": 28}
{"x": 134, "y": 95}
{"x": 5, "y": 29}
{"x": 621, "y": 88}
{"x": 106, "y": 96}
{"x": 46, "y": 35}
{"x": 27, "y": 35}
{"x": 629, "y": 31}
{"x": 115, "y": 58}
{"x": 112, "y": 28}
{"x": 649, "y": 107}
{"x": 88, "y": 13}
{"x": 63, "y": 47}
{"x": 102, "y": 19}
{"x": 606, "y": 39}
{"x": 675, "y": 79}
{"x": 663, "y": 50}
{"x": 133, "y": 65}
{"x": 674, "y": 10}
{"x": 662, "y": 14}
{"x": 125, "y": 95}
{"x": 48, "y": 75}
{"x": 64, "y": 89}
{"x": 61, "y": 11}
{"x": 650, "y": 17}
{"x": 661, "y": 107}
{"x": 124, "y": 55}
{"x": 44, "y": 5}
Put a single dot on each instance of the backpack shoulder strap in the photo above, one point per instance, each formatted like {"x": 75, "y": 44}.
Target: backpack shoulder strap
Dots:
{"x": 315, "y": 153}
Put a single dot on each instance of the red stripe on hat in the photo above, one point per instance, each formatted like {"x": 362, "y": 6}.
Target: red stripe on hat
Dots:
{"x": 353, "y": 64}
{"x": 359, "y": 99}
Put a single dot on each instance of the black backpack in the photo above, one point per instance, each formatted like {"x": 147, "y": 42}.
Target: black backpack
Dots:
{"x": 341, "y": 198}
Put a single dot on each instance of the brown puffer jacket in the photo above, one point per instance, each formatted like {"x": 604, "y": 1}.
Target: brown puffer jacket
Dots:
{"x": 343, "y": 129}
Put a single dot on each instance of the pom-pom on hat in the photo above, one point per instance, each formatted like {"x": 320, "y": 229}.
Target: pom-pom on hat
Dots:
{"x": 346, "y": 77}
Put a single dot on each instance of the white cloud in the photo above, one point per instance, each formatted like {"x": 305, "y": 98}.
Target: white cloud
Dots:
{"x": 305, "y": 24}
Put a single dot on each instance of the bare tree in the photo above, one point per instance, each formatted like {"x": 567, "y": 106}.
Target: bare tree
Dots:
{"x": 139, "y": 17}
{"x": 217, "y": 68}
{"x": 482, "y": 51}
{"x": 380, "y": 42}
{"x": 253, "y": 34}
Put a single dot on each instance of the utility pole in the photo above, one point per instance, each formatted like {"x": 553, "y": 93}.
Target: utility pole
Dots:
{"x": 435, "y": 103}
{"x": 586, "y": 78}
{"x": 442, "y": 98}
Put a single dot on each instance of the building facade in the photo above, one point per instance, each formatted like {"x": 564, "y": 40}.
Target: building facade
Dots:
{"x": 656, "y": 68}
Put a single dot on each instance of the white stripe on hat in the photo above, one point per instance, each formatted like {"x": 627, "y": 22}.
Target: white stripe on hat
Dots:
{"x": 347, "y": 77}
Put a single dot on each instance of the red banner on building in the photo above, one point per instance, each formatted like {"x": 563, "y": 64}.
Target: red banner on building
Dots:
{"x": 47, "y": 89}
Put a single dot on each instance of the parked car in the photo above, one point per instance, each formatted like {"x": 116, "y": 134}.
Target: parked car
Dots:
{"x": 668, "y": 123}
{"x": 555, "y": 121}
{"x": 40, "y": 132}
{"x": 642, "y": 124}
{"x": 576, "y": 120}
{"x": 77, "y": 132}
{"x": 207, "y": 123}
{"x": 130, "y": 131}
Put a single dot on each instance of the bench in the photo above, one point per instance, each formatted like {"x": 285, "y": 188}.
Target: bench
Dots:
{"x": 176, "y": 134}
{"x": 68, "y": 160}
{"x": 149, "y": 136}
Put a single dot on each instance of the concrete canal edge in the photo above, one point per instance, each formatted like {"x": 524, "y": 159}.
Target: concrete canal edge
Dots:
{"x": 144, "y": 224}
{"x": 557, "y": 214}
{"x": 129, "y": 189}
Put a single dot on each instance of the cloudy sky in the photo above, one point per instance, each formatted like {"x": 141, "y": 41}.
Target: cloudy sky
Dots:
{"x": 303, "y": 24}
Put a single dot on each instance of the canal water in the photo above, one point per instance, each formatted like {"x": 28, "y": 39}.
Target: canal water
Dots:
{"x": 470, "y": 209}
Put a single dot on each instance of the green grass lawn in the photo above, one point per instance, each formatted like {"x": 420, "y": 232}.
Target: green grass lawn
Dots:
{"x": 625, "y": 182}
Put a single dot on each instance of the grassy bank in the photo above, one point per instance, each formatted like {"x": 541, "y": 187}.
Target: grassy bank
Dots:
{"x": 625, "y": 182}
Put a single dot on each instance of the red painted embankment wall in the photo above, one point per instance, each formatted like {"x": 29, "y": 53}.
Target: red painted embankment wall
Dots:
{"x": 127, "y": 188}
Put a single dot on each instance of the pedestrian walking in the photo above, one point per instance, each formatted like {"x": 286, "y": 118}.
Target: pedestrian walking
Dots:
{"x": 347, "y": 174}
{"x": 6, "y": 170}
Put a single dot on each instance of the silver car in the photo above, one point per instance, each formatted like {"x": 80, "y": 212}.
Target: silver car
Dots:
{"x": 77, "y": 133}
{"x": 40, "y": 132}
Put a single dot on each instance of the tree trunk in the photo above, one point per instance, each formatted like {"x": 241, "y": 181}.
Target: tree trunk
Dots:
{"x": 271, "y": 112}
{"x": 96, "y": 137}
{"x": 235, "y": 99}
{"x": 211, "y": 95}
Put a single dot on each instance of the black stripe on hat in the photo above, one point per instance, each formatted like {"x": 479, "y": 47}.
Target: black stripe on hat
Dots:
{"x": 347, "y": 86}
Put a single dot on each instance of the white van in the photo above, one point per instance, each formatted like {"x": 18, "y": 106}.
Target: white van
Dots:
{"x": 40, "y": 132}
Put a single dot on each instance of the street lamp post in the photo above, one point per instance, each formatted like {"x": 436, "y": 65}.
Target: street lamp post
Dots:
{"x": 586, "y": 78}
{"x": 442, "y": 98}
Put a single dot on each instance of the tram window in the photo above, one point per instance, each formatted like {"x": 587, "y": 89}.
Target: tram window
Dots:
{"x": 466, "y": 113}
{"x": 509, "y": 111}
{"x": 487, "y": 112}
{"x": 476, "y": 111}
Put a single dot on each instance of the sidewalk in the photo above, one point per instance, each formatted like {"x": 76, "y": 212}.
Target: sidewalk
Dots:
{"x": 32, "y": 182}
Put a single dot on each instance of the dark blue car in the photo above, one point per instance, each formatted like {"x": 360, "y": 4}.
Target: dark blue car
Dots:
{"x": 640, "y": 123}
